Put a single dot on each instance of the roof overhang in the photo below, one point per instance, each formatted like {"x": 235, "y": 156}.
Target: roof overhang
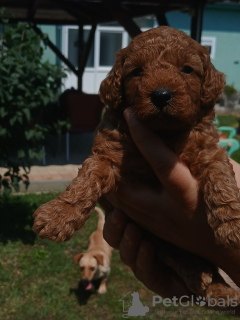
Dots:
{"x": 65, "y": 12}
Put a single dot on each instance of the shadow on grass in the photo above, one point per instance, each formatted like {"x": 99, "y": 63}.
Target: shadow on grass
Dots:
{"x": 83, "y": 295}
{"x": 16, "y": 220}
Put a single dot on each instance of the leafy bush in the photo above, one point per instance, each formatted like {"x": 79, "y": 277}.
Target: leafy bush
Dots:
{"x": 28, "y": 86}
{"x": 230, "y": 97}
{"x": 229, "y": 90}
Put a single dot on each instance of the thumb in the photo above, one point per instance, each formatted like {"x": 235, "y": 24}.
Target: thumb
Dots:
{"x": 172, "y": 173}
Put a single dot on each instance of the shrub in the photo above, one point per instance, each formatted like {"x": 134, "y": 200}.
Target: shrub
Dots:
{"x": 28, "y": 86}
{"x": 229, "y": 90}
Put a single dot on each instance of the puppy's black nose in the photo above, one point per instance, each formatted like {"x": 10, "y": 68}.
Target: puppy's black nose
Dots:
{"x": 161, "y": 97}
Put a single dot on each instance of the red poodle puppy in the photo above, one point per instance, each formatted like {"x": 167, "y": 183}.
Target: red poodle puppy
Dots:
{"x": 168, "y": 81}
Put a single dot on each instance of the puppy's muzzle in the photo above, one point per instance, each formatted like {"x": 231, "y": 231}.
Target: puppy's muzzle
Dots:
{"x": 87, "y": 284}
{"x": 161, "y": 97}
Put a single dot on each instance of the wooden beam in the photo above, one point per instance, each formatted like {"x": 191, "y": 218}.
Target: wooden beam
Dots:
{"x": 161, "y": 18}
{"x": 85, "y": 55}
{"x": 32, "y": 9}
{"x": 80, "y": 53}
{"x": 196, "y": 23}
{"x": 77, "y": 12}
{"x": 55, "y": 49}
{"x": 122, "y": 17}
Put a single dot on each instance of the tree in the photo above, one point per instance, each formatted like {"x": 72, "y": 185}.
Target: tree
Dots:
{"x": 28, "y": 86}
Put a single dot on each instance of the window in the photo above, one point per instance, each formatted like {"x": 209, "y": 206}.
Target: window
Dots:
{"x": 106, "y": 44}
{"x": 110, "y": 43}
{"x": 210, "y": 43}
{"x": 73, "y": 47}
{"x": 107, "y": 41}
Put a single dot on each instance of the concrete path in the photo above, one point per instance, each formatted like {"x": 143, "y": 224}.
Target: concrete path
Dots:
{"x": 49, "y": 178}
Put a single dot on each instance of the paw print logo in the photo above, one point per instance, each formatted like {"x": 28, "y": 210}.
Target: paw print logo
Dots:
{"x": 200, "y": 301}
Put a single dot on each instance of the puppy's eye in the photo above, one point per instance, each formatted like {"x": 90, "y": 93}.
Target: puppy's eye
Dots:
{"x": 92, "y": 268}
{"x": 187, "y": 69}
{"x": 137, "y": 72}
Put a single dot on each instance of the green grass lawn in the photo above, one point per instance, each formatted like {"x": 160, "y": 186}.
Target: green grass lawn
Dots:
{"x": 38, "y": 279}
{"x": 228, "y": 120}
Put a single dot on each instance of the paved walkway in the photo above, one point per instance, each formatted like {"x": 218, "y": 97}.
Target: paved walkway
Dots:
{"x": 53, "y": 172}
{"x": 52, "y": 178}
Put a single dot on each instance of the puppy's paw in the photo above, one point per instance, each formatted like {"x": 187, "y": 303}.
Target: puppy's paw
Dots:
{"x": 198, "y": 283}
{"x": 57, "y": 220}
{"x": 228, "y": 233}
{"x": 102, "y": 289}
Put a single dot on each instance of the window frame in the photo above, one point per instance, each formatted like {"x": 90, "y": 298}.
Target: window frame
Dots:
{"x": 96, "y": 63}
{"x": 96, "y": 60}
{"x": 210, "y": 42}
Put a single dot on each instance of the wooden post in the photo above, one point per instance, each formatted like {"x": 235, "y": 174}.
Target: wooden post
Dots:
{"x": 80, "y": 54}
{"x": 196, "y": 23}
{"x": 85, "y": 55}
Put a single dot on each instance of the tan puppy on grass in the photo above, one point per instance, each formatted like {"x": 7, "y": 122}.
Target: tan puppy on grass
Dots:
{"x": 95, "y": 263}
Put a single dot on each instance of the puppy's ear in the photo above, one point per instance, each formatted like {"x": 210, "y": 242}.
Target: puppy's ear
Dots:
{"x": 111, "y": 88}
{"x": 77, "y": 258}
{"x": 213, "y": 83}
{"x": 99, "y": 258}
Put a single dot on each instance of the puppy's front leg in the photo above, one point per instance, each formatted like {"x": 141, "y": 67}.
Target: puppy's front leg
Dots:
{"x": 58, "y": 219}
{"x": 103, "y": 286}
{"x": 222, "y": 199}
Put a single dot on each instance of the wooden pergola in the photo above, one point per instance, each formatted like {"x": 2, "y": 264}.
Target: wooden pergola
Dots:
{"x": 93, "y": 12}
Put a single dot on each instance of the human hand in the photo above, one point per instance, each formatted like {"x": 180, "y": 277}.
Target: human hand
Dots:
{"x": 138, "y": 253}
{"x": 174, "y": 212}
